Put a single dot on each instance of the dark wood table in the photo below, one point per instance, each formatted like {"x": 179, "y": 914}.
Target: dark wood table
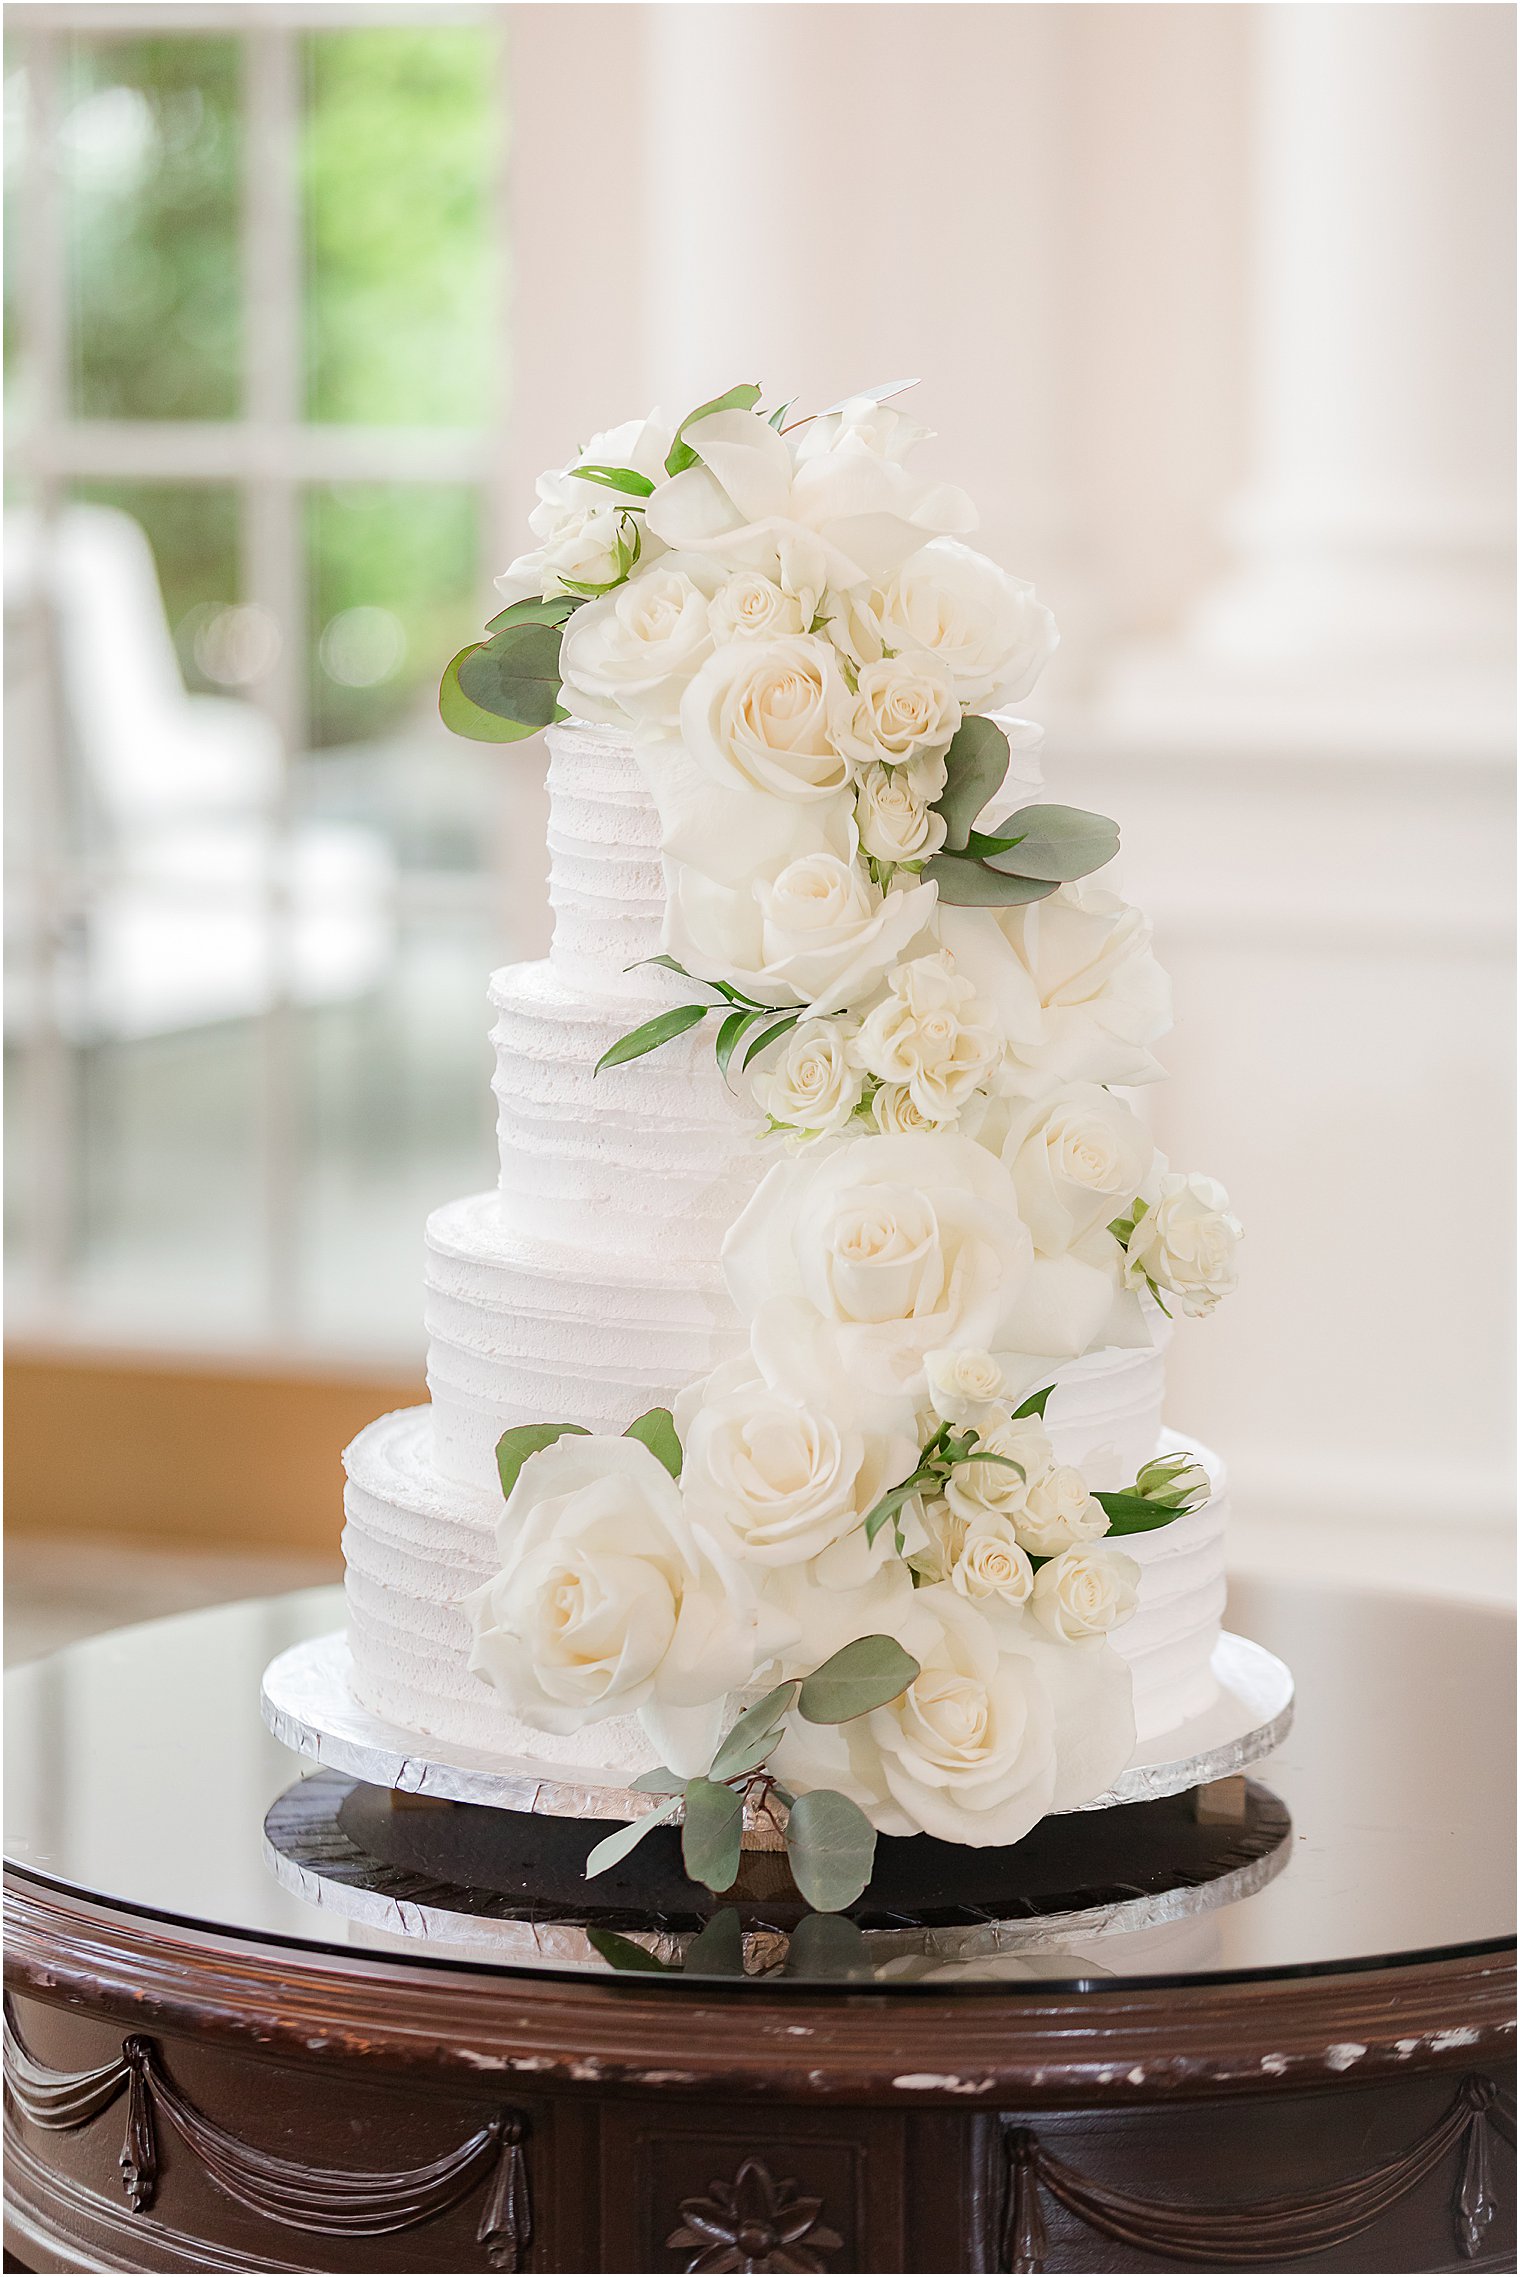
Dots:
{"x": 313, "y": 2050}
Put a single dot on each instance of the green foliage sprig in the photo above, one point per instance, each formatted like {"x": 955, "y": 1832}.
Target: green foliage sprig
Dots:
{"x": 937, "y": 1459}
{"x": 1050, "y": 845}
{"x": 743, "y": 1021}
{"x": 656, "y": 1431}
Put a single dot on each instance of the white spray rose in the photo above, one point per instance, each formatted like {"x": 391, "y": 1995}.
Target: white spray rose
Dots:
{"x": 930, "y": 1033}
{"x": 750, "y": 607}
{"x": 895, "y": 1115}
{"x": 1057, "y": 1512}
{"x": 627, "y": 659}
{"x": 895, "y": 820}
{"x": 581, "y": 526}
{"x": 1073, "y": 985}
{"x": 1085, "y": 1593}
{"x": 853, "y": 624}
{"x": 1186, "y": 1242}
{"x": 759, "y": 713}
{"x": 827, "y": 934}
{"x": 892, "y": 1247}
{"x": 990, "y": 1563}
{"x": 904, "y": 706}
{"x": 965, "y": 1386}
{"x": 1079, "y": 1158}
{"x": 985, "y": 628}
{"x": 812, "y": 1084}
{"x": 979, "y": 1490}
{"x": 609, "y": 1599}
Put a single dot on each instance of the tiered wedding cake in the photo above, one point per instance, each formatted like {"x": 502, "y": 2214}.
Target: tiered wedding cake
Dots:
{"x": 881, "y": 1281}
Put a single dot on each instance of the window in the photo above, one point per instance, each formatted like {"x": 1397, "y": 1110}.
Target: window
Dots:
{"x": 255, "y": 365}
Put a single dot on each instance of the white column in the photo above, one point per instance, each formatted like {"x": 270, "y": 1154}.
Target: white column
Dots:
{"x": 1372, "y": 581}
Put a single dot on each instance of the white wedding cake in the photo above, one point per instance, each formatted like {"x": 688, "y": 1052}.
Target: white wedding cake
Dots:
{"x": 881, "y": 1283}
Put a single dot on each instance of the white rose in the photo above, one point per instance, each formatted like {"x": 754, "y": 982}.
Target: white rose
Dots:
{"x": 986, "y": 628}
{"x": 895, "y": 820}
{"x": 609, "y": 1599}
{"x": 827, "y": 934}
{"x": 628, "y": 657}
{"x": 749, "y": 607}
{"x": 1186, "y": 1242}
{"x": 1073, "y": 985}
{"x": 964, "y": 1385}
{"x": 938, "y": 1537}
{"x": 872, "y": 511}
{"x": 812, "y": 1084}
{"x": 930, "y": 1033}
{"x": 853, "y": 624}
{"x": 781, "y": 1478}
{"x": 903, "y": 706}
{"x": 759, "y": 714}
{"x": 861, "y": 420}
{"x": 1078, "y": 1159}
{"x": 967, "y": 1753}
{"x": 585, "y": 530}
{"x": 1085, "y": 1593}
{"x": 895, "y": 1115}
{"x": 1057, "y": 1512}
{"x": 895, "y": 1247}
{"x": 991, "y": 1564}
{"x": 979, "y": 1490}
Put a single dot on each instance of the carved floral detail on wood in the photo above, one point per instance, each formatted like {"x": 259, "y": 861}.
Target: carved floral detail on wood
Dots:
{"x": 1261, "y": 2233}
{"x": 328, "y": 2201}
{"x": 753, "y": 2224}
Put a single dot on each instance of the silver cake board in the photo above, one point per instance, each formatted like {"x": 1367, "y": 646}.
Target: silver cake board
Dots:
{"x": 309, "y": 1705}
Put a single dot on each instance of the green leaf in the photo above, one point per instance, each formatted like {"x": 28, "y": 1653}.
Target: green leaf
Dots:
{"x": 680, "y": 456}
{"x": 779, "y": 414}
{"x": 729, "y": 1036}
{"x": 711, "y": 1835}
{"x": 657, "y": 1432}
{"x": 514, "y": 1447}
{"x": 612, "y": 1847}
{"x": 1132, "y": 1514}
{"x": 660, "y": 1030}
{"x": 985, "y": 1455}
{"x": 1057, "y": 843}
{"x": 831, "y": 1847}
{"x": 624, "y": 478}
{"x": 1034, "y": 1405}
{"x": 461, "y": 717}
{"x": 668, "y": 962}
{"x": 965, "y": 884}
{"x": 516, "y": 675}
{"x": 622, "y": 1953}
{"x": 557, "y": 610}
{"x": 859, "y": 1677}
{"x": 891, "y": 1503}
{"x": 759, "y": 1721}
{"x": 769, "y": 1036}
{"x": 717, "y": 1950}
{"x": 660, "y": 1781}
{"x": 827, "y": 1945}
{"x": 976, "y": 763}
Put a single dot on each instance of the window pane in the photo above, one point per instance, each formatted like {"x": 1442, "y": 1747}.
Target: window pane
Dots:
{"x": 399, "y": 157}
{"x": 150, "y": 152}
{"x": 394, "y": 593}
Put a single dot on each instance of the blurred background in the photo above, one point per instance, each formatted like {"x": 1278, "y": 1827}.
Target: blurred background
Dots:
{"x": 1213, "y": 308}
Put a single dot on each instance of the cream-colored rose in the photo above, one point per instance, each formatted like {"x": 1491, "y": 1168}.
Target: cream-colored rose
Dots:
{"x": 759, "y": 714}
{"x": 861, "y": 420}
{"x": 1186, "y": 1242}
{"x": 827, "y": 934}
{"x": 980, "y": 1490}
{"x": 904, "y": 706}
{"x": 585, "y": 531}
{"x": 748, "y": 606}
{"x": 778, "y": 1478}
{"x": 627, "y": 659}
{"x": 991, "y": 1564}
{"x": 853, "y": 625}
{"x": 985, "y": 628}
{"x": 965, "y": 1386}
{"x": 1085, "y": 1593}
{"x": 1079, "y": 1157}
{"x": 930, "y": 1033}
{"x": 893, "y": 1247}
{"x": 1073, "y": 986}
{"x": 895, "y": 821}
{"x": 1057, "y": 1512}
{"x": 938, "y": 1539}
{"x": 811, "y": 1085}
{"x": 895, "y": 1115}
{"x": 608, "y": 1599}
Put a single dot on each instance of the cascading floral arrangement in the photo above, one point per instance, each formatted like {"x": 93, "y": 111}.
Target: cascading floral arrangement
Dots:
{"x": 863, "y": 1520}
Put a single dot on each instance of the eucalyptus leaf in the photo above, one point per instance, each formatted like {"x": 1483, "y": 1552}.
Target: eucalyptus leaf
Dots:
{"x": 660, "y": 1781}
{"x": 717, "y": 1950}
{"x": 1132, "y": 1514}
{"x": 827, "y": 1945}
{"x": 965, "y": 884}
{"x": 769, "y": 1036}
{"x": 680, "y": 456}
{"x": 623, "y": 1954}
{"x": 1034, "y": 1405}
{"x": 657, "y": 1432}
{"x": 514, "y": 1447}
{"x": 557, "y": 610}
{"x": 624, "y": 478}
{"x": 655, "y": 1032}
{"x": 730, "y": 1034}
{"x": 1057, "y": 843}
{"x": 462, "y": 717}
{"x": 859, "y": 1677}
{"x": 761, "y": 1720}
{"x": 976, "y": 763}
{"x": 612, "y": 1847}
{"x": 711, "y": 1833}
{"x": 831, "y": 1848}
{"x": 516, "y": 675}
